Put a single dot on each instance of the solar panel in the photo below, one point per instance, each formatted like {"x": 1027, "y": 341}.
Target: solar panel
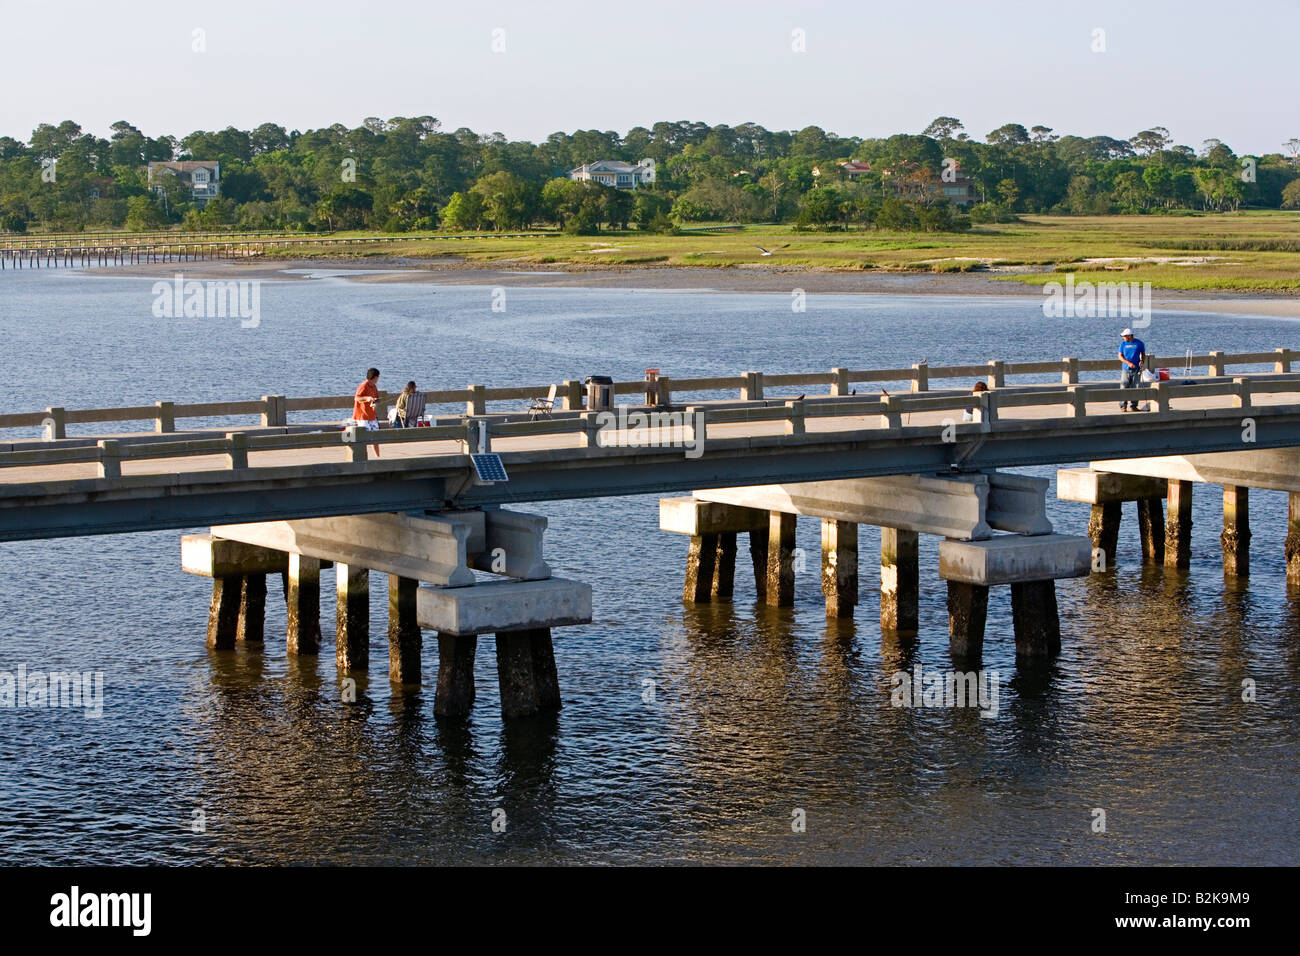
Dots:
{"x": 489, "y": 467}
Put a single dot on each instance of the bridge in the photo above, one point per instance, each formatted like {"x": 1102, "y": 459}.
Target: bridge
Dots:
{"x": 740, "y": 454}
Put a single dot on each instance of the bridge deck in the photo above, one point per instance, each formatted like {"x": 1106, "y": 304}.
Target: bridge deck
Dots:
{"x": 632, "y": 437}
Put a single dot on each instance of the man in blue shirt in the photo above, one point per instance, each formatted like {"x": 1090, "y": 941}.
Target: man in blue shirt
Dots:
{"x": 1132, "y": 353}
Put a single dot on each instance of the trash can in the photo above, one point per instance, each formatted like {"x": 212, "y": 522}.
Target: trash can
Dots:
{"x": 600, "y": 392}
{"x": 652, "y": 386}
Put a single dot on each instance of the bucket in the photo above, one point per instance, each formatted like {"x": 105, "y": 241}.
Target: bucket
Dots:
{"x": 1162, "y": 374}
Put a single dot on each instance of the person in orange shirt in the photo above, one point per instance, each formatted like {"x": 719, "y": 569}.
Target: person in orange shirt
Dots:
{"x": 363, "y": 404}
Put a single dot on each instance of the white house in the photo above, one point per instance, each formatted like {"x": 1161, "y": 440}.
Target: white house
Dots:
{"x": 613, "y": 172}
{"x": 202, "y": 177}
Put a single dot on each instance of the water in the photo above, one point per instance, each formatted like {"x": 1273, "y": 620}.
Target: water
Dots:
{"x": 757, "y": 712}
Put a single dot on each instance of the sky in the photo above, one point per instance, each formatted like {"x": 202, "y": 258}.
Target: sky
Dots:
{"x": 1201, "y": 68}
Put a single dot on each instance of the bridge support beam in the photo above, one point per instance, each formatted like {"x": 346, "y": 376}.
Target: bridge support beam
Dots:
{"x": 404, "y": 638}
{"x": 839, "y": 566}
{"x": 1235, "y": 539}
{"x": 1178, "y": 525}
{"x": 352, "y": 629}
{"x": 455, "y": 694}
{"x": 780, "y": 559}
{"x": 900, "y": 581}
{"x": 302, "y": 600}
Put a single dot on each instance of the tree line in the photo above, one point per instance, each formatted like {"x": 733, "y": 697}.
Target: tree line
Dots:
{"x": 407, "y": 173}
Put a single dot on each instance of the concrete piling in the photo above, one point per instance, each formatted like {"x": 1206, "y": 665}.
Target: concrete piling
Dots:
{"x": 251, "y": 627}
{"x": 223, "y": 613}
{"x": 780, "y": 559}
{"x": 701, "y": 562}
{"x": 968, "y": 607}
{"x": 900, "y": 581}
{"x": 404, "y": 638}
{"x": 1178, "y": 525}
{"x": 724, "y": 568}
{"x": 1035, "y": 618}
{"x": 352, "y": 629}
{"x": 1151, "y": 529}
{"x": 302, "y": 598}
{"x": 455, "y": 694}
{"x": 1235, "y": 538}
{"x": 758, "y": 556}
{"x": 526, "y": 672}
{"x": 839, "y": 566}
{"x": 1293, "y": 539}
{"x": 1103, "y": 529}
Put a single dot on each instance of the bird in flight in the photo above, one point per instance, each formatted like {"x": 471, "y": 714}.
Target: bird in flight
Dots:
{"x": 768, "y": 252}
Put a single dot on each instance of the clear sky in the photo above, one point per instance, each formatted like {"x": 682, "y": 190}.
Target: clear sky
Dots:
{"x": 1202, "y": 68}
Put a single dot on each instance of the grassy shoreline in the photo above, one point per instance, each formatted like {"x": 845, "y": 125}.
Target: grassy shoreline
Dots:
{"x": 1250, "y": 252}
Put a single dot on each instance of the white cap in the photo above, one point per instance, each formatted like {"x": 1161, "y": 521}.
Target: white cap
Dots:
{"x": 1126, "y": 332}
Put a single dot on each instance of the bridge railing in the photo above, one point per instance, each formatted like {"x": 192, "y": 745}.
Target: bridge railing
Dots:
{"x": 884, "y": 416}
{"x": 273, "y": 410}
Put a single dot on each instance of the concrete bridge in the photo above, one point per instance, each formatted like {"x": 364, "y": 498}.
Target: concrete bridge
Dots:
{"x": 743, "y": 455}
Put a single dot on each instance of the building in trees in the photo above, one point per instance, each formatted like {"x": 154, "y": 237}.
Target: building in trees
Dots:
{"x": 200, "y": 177}
{"x": 917, "y": 183}
{"x": 612, "y": 172}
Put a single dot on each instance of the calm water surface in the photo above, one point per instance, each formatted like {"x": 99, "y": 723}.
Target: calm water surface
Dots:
{"x": 757, "y": 711}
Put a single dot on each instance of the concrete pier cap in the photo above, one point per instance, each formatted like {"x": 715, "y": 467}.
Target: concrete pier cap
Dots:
{"x": 1014, "y": 558}
{"x": 496, "y": 606}
{"x": 1103, "y": 487}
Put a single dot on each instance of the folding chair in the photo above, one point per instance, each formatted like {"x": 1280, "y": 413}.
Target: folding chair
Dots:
{"x": 543, "y": 406}
{"x": 414, "y": 408}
